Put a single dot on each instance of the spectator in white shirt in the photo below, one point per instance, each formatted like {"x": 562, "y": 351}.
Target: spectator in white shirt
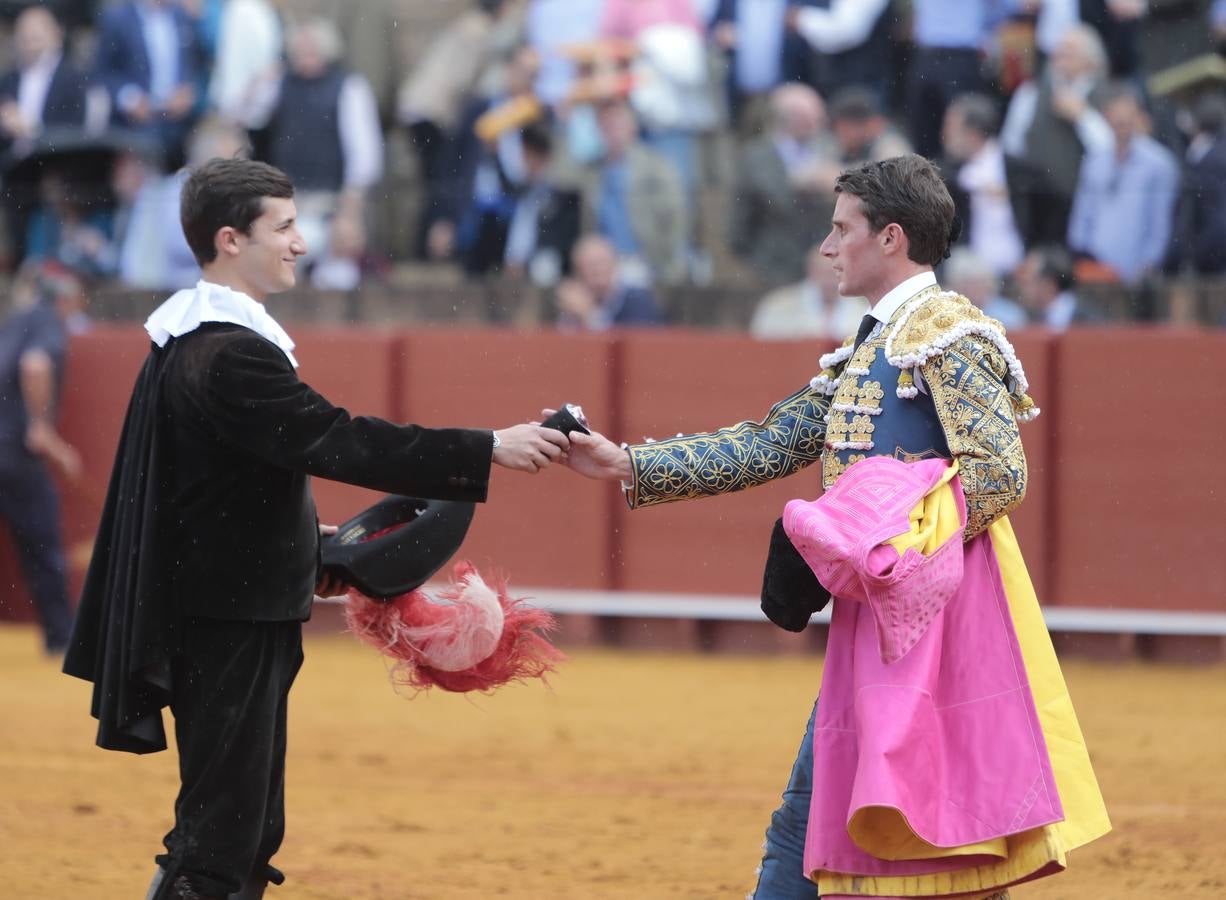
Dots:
{"x": 968, "y": 137}
{"x": 851, "y": 41}
{"x": 249, "y": 45}
{"x": 151, "y": 251}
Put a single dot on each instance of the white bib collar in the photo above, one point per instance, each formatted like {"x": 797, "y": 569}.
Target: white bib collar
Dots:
{"x": 187, "y": 310}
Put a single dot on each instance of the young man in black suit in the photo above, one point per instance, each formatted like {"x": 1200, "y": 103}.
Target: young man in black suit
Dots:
{"x": 207, "y": 555}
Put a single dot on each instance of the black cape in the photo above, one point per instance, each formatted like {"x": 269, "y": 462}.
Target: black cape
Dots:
{"x": 126, "y": 633}
{"x": 209, "y": 510}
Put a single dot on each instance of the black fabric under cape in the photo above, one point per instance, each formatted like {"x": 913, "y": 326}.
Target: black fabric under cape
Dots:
{"x": 126, "y": 632}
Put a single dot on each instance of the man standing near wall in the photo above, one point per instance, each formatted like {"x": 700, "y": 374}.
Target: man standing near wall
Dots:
{"x": 926, "y": 376}
{"x": 33, "y": 345}
{"x": 207, "y": 554}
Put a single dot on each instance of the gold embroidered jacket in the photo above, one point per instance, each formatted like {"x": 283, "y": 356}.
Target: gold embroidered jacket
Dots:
{"x": 976, "y": 384}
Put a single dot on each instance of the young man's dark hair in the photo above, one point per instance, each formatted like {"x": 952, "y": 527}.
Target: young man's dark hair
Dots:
{"x": 226, "y": 192}
{"x": 907, "y": 190}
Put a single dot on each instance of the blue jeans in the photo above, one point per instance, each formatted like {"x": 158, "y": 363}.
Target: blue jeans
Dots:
{"x": 781, "y": 875}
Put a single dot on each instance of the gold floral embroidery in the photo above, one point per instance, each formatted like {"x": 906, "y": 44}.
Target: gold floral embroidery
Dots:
{"x": 833, "y": 466}
{"x": 870, "y": 394}
{"x": 938, "y": 313}
{"x": 849, "y": 392}
{"x": 861, "y": 428}
{"x": 731, "y": 459}
{"x": 968, "y": 389}
{"x": 922, "y": 332}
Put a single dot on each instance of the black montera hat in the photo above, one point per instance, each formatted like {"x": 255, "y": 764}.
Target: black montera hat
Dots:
{"x": 569, "y": 417}
{"x": 395, "y": 546}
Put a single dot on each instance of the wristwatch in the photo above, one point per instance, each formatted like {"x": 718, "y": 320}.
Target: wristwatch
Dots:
{"x": 497, "y": 440}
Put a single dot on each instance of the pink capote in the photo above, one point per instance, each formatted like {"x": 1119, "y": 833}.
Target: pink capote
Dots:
{"x": 925, "y": 706}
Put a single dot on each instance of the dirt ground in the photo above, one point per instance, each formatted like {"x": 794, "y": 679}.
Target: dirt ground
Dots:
{"x": 633, "y": 776}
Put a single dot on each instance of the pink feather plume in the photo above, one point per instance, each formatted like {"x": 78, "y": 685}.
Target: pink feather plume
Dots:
{"x": 469, "y": 636}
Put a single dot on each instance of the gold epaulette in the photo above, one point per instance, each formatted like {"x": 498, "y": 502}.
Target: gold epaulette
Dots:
{"x": 926, "y": 329}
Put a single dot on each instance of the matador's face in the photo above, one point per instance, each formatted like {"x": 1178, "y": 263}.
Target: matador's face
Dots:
{"x": 854, "y": 250}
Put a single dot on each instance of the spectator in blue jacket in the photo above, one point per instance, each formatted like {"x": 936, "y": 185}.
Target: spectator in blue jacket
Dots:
{"x": 149, "y": 59}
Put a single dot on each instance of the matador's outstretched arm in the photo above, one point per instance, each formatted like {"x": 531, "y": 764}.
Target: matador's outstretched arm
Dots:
{"x": 733, "y": 458}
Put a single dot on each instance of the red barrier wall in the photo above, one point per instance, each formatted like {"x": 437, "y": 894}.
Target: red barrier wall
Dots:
{"x": 1106, "y": 522}
{"x": 1139, "y": 481}
{"x": 1031, "y": 520}
{"x": 356, "y": 369}
{"x": 698, "y": 382}
{"x": 547, "y": 529}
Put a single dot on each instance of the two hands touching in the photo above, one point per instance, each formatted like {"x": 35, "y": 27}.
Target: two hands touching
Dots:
{"x": 595, "y": 456}
{"x": 531, "y": 447}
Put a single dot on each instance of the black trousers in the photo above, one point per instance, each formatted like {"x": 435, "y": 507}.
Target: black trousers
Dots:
{"x": 230, "y": 692}
{"x": 30, "y": 504}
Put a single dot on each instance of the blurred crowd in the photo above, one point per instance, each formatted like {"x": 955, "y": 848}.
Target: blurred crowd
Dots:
{"x": 602, "y": 153}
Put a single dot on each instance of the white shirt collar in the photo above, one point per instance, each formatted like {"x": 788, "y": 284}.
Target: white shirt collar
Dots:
{"x": 187, "y": 310}
{"x": 883, "y": 310}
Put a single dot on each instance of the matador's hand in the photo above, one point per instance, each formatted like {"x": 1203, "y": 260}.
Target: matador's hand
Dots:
{"x": 595, "y": 456}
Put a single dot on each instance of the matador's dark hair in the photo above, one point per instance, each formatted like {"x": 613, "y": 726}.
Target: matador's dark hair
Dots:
{"x": 906, "y": 190}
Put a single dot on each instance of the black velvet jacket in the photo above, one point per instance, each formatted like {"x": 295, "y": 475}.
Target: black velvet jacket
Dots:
{"x": 209, "y": 511}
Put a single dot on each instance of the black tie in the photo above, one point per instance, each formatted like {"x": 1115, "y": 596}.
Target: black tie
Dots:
{"x": 866, "y": 326}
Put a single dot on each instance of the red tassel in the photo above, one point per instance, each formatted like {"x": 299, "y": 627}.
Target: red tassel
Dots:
{"x": 469, "y": 637}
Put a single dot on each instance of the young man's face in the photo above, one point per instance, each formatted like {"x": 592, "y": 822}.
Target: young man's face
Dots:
{"x": 268, "y": 255}
{"x": 854, "y": 251}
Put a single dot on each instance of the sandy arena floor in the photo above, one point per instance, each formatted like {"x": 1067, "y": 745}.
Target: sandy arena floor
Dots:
{"x": 635, "y": 776}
